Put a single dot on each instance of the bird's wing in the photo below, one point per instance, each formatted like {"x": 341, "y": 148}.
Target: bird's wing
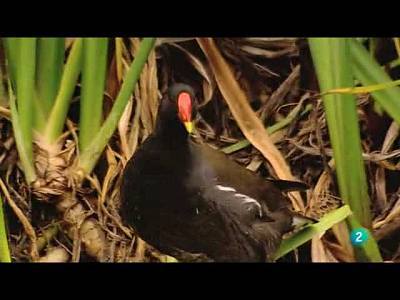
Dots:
{"x": 214, "y": 167}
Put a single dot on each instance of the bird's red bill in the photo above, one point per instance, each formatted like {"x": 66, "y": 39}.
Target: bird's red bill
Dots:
{"x": 185, "y": 107}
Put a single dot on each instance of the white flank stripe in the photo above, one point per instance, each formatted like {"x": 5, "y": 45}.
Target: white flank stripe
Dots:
{"x": 245, "y": 198}
{"x": 225, "y": 188}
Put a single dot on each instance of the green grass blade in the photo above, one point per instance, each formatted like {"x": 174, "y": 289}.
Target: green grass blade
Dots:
{"x": 4, "y": 249}
{"x": 369, "y": 251}
{"x": 25, "y": 90}
{"x": 310, "y": 231}
{"x": 93, "y": 81}
{"x": 22, "y": 145}
{"x": 369, "y": 72}
{"x": 3, "y": 96}
{"x": 364, "y": 89}
{"x": 11, "y": 46}
{"x": 332, "y": 62}
{"x": 118, "y": 56}
{"x": 270, "y": 130}
{"x": 39, "y": 117}
{"x": 69, "y": 79}
{"x": 238, "y": 146}
{"x": 92, "y": 153}
{"x": 50, "y": 62}
{"x": 30, "y": 109}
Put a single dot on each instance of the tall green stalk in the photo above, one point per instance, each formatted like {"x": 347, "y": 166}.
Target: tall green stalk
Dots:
{"x": 11, "y": 46}
{"x": 93, "y": 81}
{"x": 4, "y": 249}
{"x": 69, "y": 79}
{"x": 3, "y": 97}
{"x": 23, "y": 146}
{"x": 369, "y": 72}
{"x": 50, "y": 63}
{"x": 25, "y": 90}
{"x": 91, "y": 154}
{"x": 333, "y": 66}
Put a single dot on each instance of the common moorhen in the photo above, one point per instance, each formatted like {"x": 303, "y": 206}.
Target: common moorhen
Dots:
{"x": 194, "y": 203}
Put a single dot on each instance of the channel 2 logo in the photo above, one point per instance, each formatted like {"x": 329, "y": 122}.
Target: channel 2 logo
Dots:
{"x": 359, "y": 236}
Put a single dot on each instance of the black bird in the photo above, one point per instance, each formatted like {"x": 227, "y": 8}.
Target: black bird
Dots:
{"x": 194, "y": 203}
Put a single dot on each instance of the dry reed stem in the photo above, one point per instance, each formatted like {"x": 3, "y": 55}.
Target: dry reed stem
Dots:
{"x": 24, "y": 221}
{"x": 246, "y": 118}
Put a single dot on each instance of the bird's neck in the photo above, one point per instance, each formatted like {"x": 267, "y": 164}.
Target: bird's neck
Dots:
{"x": 172, "y": 132}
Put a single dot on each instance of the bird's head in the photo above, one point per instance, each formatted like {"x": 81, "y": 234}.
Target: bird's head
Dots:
{"x": 182, "y": 97}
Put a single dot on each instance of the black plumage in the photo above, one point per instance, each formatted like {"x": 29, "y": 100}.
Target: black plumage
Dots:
{"x": 194, "y": 203}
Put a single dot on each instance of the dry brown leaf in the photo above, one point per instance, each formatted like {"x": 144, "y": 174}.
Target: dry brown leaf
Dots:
{"x": 140, "y": 249}
{"x": 160, "y": 40}
{"x": 319, "y": 253}
{"x": 117, "y": 222}
{"x": 209, "y": 83}
{"x": 279, "y": 135}
{"x": 76, "y": 245}
{"x": 391, "y": 136}
{"x": 146, "y": 115}
{"x": 376, "y": 157}
{"x": 152, "y": 86}
{"x": 266, "y": 53}
{"x": 129, "y": 131}
{"x": 270, "y": 43}
{"x": 380, "y": 188}
{"x": 113, "y": 84}
{"x": 279, "y": 94}
{"x": 341, "y": 233}
{"x": 320, "y": 203}
{"x": 265, "y": 69}
{"x": 338, "y": 252}
{"x": 119, "y": 57}
{"x": 394, "y": 214}
{"x": 5, "y": 113}
{"x": 147, "y": 90}
{"x": 24, "y": 221}
{"x": 141, "y": 94}
{"x": 255, "y": 163}
{"x": 380, "y": 180}
{"x": 246, "y": 118}
{"x": 111, "y": 174}
{"x": 133, "y": 139}
{"x": 123, "y": 129}
{"x": 388, "y": 228}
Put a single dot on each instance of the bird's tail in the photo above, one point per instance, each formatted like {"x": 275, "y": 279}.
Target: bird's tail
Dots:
{"x": 289, "y": 186}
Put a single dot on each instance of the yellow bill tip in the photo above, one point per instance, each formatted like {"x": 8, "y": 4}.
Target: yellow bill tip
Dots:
{"x": 189, "y": 126}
